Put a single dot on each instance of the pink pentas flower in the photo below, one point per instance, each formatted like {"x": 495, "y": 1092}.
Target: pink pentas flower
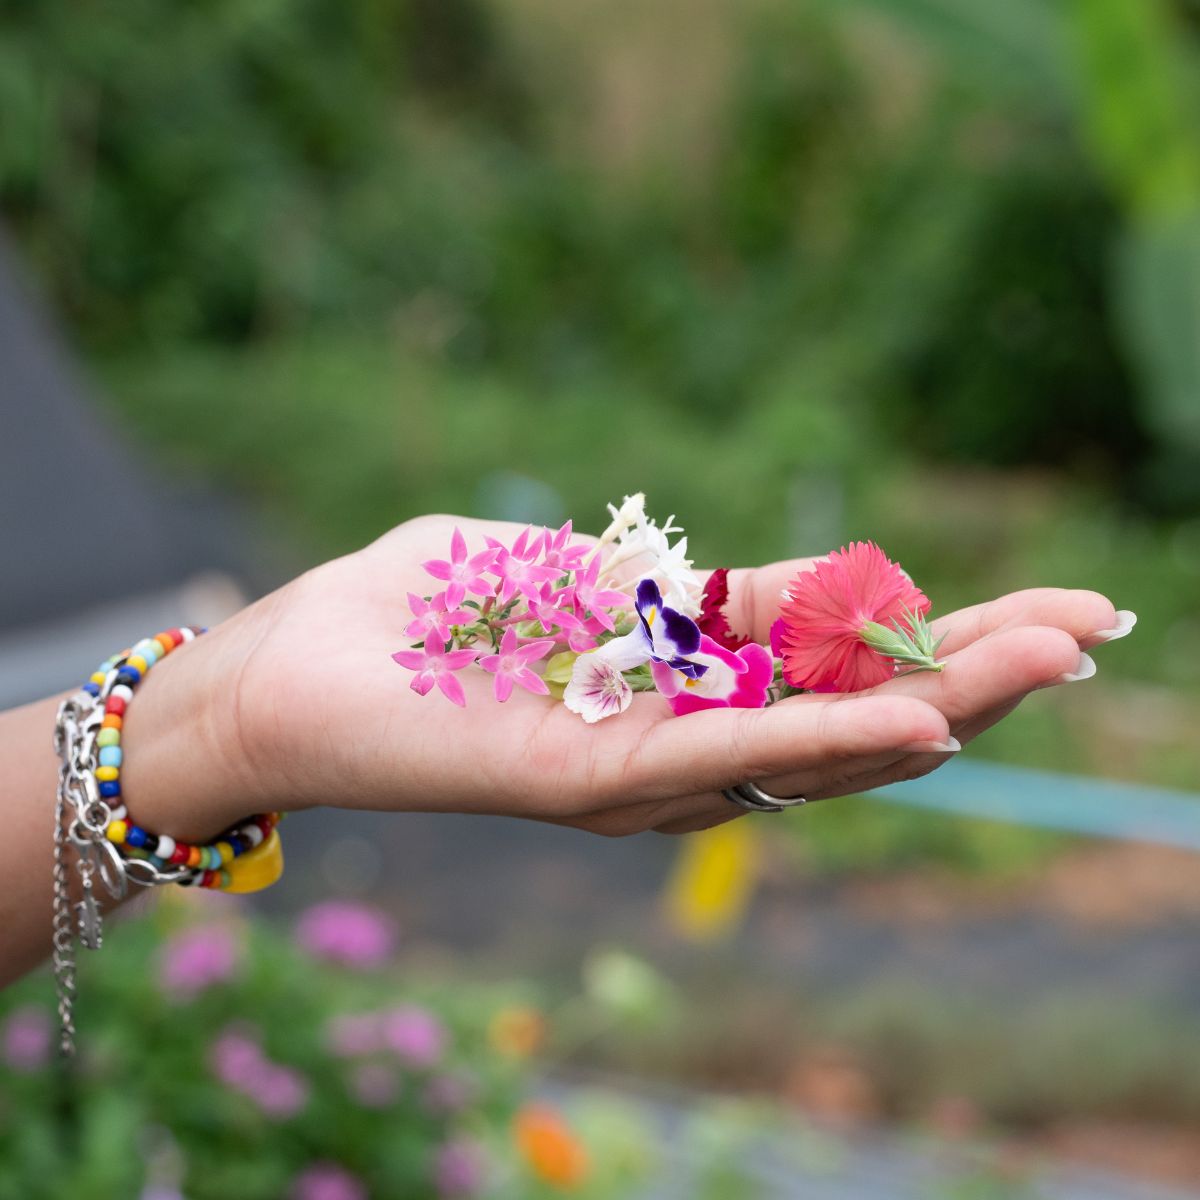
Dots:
{"x": 587, "y": 594}
{"x": 342, "y": 931}
{"x": 518, "y": 569}
{"x": 462, "y": 574}
{"x": 26, "y": 1039}
{"x": 415, "y": 1036}
{"x": 511, "y": 665}
{"x": 327, "y": 1181}
{"x": 432, "y": 618}
{"x": 195, "y": 959}
{"x": 434, "y": 664}
{"x": 825, "y": 613}
{"x": 559, "y": 552}
{"x": 733, "y": 679}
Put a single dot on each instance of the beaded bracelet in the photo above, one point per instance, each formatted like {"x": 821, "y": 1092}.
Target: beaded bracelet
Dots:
{"x": 210, "y": 865}
{"x": 91, "y": 816}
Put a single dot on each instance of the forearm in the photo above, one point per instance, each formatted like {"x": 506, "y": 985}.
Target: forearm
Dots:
{"x": 176, "y": 779}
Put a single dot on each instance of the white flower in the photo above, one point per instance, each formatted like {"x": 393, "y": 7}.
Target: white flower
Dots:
{"x": 597, "y": 689}
{"x": 642, "y": 551}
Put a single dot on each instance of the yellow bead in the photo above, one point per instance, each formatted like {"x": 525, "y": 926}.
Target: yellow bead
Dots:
{"x": 225, "y": 850}
{"x": 137, "y": 661}
{"x": 116, "y": 831}
{"x": 98, "y": 678}
{"x": 107, "y": 774}
{"x": 257, "y": 868}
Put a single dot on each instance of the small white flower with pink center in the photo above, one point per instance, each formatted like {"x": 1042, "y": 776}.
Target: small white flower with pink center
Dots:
{"x": 511, "y": 665}
{"x": 433, "y": 664}
{"x": 597, "y": 689}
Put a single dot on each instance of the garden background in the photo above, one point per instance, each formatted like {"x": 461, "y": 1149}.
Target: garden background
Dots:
{"x": 926, "y": 271}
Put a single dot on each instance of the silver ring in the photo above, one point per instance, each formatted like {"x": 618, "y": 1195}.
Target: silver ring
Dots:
{"x": 751, "y": 796}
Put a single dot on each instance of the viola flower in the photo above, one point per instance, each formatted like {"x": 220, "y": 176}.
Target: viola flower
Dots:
{"x": 518, "y": 568}
{"x": 732, "y": 680}
{"x": 828, "y": 610}
{"x": 434, "y": 664}
{"x": 712, "y": 619}
{"x": 432, "y": 619}
{"x": 662, "y": 634}
{"x": 511, "y": 665}
{"x": 462, "y": 574}
{"x": 597, "y": 688}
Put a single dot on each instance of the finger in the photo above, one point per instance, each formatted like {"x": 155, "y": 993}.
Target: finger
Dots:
{"x": 1082, "y": 614}
{"x": 755, "y": 593}
{"x": 706, "y": 751}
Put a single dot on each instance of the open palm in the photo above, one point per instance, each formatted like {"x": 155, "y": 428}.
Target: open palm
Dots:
{"x": 323, "y": 716}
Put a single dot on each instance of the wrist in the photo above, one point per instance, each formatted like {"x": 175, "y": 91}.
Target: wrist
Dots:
{"x": 181, "y": 775}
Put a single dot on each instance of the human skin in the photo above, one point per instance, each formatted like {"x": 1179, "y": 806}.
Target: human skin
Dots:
{"x": 295, "y": 703}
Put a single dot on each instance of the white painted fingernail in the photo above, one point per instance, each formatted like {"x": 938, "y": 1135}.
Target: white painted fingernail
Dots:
{"x": 1085, "y": 670}
{"x": 949, "y": 746}
{"x": 1126, "y": 620}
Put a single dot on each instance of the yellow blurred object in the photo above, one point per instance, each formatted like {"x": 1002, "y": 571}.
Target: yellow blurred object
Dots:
{"x": 257, "y": 868}
{"x": 713, "y": 878}
{"x": 550, "y": 1148}
{"x": 517, "y": 1032}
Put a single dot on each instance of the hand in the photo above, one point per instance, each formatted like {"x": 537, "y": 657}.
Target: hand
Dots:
{"x": 308, "y": 708}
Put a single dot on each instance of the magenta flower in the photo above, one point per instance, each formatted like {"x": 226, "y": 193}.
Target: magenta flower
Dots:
{"x": 511, "y": 665}
{"x": 26, "y": 1039}
{"x": 415, "y": 1036}
{"x": 463, "y": 574}
{"x": 518, "y": 568}
{"x": 238, "y": 1062}
{"x": 342, "y": 931}
{"x": 327, "y": 1181}
{"x": 434, "y": 665}
{"x": 197, "y": 958}
{"x": 432, "y": 619}
{"x": 458, "y": 1168}
{"x": 732, "y": 679}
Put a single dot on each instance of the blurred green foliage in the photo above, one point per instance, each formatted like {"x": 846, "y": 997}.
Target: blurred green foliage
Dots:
{"x": 890, "y": 215}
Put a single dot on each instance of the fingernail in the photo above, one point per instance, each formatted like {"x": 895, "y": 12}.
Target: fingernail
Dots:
{"x": 1126, "y": 620}
{"x": 1085, "y": 670}
{"x": 949, "y": 746}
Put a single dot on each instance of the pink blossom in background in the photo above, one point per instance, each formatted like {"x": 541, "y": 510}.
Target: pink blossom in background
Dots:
{"x": 26, "y": 1039}
{"x": 354, "y": 1035}
{"x": 197, "y": 958}
{"x": 414, "y": 1035}
{"x": 445, "y": 1095}
{"x": 327, "y": 1181}
{"x": 825, "y": 613}
{"x": 459, "y": 1168}
{"x": 373, "y": 1085}
{"x": 238, "y": 1061}
{"x": 341, "y": 931}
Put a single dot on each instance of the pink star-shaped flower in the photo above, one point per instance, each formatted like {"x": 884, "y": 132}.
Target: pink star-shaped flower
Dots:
{"x": 557, "y": 550}
{"x": 432, "y": 619}
{"x": 518, "y": 568}
{"x": 511, "y": 665}
{"x": 587, "y": 595}
{"x": 434, "y": 665}
{"x": 461, "y": 573}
